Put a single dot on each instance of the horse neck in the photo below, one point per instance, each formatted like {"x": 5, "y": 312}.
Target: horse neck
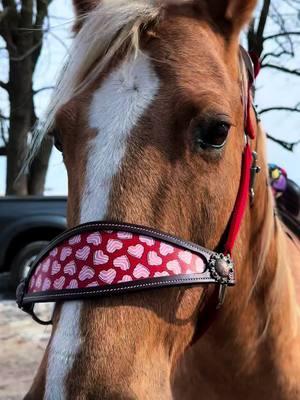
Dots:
{"x": 256, "y": 333}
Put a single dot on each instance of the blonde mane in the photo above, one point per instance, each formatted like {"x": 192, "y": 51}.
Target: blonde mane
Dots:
{"x": 103, "y": 33}
{"x": 274, "y": 229}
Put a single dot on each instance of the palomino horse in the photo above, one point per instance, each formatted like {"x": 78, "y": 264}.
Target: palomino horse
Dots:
{"x": 149, "y": 117}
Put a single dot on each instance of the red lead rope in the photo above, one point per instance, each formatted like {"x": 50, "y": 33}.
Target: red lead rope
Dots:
{"x": 241, "y": 200}
{"x": 243, "y": 192}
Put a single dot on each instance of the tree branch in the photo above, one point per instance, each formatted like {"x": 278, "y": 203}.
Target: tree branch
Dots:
{"x": 280, "y": 108}
{"x": 4, "y": 117}
{"x": 4, "y": 86}
{"x": 3, "y": 15}
{"x": 281, "y": 34}
{"x": 42, "y": 10}
{"x": 276, "y": 55}
{"x": 27, "y": 13}
{"x": 3, "y": 130}
{"x": 3, "y": 151}
{"x": 282, "y": 69}
{"x": 8, "y": 22}
{"x": 286, "y": 145}
{"x": 43, "y": 89}
{"x": 27, "y": 53}
{"x": 263, "y": 19}
{"x": 9, "y": 3}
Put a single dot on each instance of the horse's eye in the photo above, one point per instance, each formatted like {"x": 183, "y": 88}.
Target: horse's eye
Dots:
{"x": 212, "y": 134}
{"x": 57, "y": 140}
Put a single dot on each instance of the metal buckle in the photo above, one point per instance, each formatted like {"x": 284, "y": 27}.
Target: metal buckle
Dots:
{"x": 255, "y": 169}
{"x": 221, "y": 268}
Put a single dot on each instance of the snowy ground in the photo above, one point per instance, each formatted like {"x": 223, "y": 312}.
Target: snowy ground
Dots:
{"x": 22, "y": 343}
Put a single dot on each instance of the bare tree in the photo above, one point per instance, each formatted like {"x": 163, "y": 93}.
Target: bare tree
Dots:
{"x": 274, "y": 36}
{"x": 21, "y": 27}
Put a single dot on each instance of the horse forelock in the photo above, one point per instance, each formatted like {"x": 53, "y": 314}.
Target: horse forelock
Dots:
{"x": 105, "y": 30}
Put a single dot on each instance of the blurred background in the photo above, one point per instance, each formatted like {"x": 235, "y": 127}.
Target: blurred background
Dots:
{"x": 34, "y": 39}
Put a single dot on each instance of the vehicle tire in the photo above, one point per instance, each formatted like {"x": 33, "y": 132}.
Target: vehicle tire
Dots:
{"x": 23, "y": 260}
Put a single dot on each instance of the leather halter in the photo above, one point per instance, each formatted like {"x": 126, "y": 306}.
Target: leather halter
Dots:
{"x": 105, "y": 258}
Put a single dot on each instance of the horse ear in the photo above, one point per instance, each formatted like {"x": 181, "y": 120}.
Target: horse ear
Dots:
{"x": 232, "y": 13}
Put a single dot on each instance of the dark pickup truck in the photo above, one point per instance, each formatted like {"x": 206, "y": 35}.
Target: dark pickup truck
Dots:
{"x": 27, "y": 224}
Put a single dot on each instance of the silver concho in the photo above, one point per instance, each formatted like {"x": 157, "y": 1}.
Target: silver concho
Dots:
{"x": 221, "y": 268}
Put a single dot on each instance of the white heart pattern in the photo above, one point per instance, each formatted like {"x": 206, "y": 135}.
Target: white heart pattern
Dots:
{"x": 39, "y": 269}
{"x": 92, "y": 284}
{"x": 145, "y": 239}
{"x": 32, "y": 282}
{"x": 124, "y": 235}
{"x": 94, "y": 238}
{"x": 154, "y": 259}
{"x": 126, "y": 278}
{"x": 108, "y": 276}
{"x": 83, "y": 253}
{"x": 159, "y": 274}
{"x": 136, "y": 251}
{"x": 70, "y": 268}
{"x": 75, "y": 239}
{"x": 166, "y": 249}
{"x": 38, "y": 282}
{"x": 200, "y": 266}
{"x": 55, "y": 267}
{"x": 100, "y": 258}
{"x": 46, "y": 265}
{"x": 114, "y": 261}
{"x": 59, "y": 283}
{"x": 122, "y": 262}
{"x": 114, "y": 245}
{"x": 185, "y": 256}
{"x": 140, "y": 271}
{"x": 86, "y": 273}
{"x": 46, "y": 284}
{"x": 65, "y": 253}
{"x": 174, "y": 266}
{"x": 73, "y": 284}
{"x": 53, "y": 253}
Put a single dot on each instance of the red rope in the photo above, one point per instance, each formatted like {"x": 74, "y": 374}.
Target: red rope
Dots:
{"x": 243, "y": 192}
{"x": 241, "y": 200}
{"x": 250, "y": 131}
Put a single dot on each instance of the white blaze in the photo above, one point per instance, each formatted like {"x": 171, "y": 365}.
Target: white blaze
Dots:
{"x": 64, "y": 346}
{"x": 115, "y": 109}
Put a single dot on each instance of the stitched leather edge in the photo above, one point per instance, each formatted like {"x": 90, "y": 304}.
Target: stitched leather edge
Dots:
{"x": 71, "y": 294}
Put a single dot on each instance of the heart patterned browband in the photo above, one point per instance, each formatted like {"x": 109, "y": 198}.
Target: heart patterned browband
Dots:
{"x": 98, "y": 259}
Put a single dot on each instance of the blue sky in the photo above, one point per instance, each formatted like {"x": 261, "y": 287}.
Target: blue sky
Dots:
{"x": 274, "y": 88}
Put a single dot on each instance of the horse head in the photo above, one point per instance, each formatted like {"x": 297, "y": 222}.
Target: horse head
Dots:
{"x": 149, "y": 114}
